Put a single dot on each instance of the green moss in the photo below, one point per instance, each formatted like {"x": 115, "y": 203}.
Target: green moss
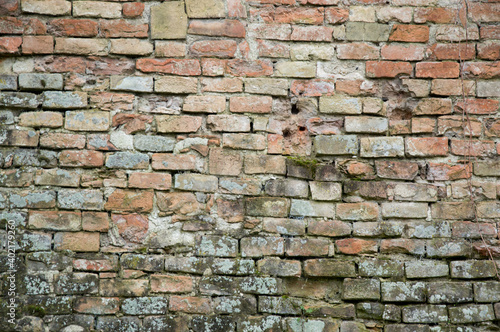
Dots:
{"x": 34, "y": 310}
{"x": 306, "y": 162}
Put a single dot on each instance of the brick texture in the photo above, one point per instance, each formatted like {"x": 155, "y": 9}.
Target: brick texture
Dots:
{"x": 250, "y": 165}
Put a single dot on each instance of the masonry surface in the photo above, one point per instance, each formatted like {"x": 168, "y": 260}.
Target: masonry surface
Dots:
{"x": 263, "y": 165}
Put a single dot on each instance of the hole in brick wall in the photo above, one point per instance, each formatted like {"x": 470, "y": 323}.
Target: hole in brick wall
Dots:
{"x": 286, "y": 132}
{"x": 295, "y": 109}
{"x": 251, "y": 127}
{"x": 301, "y": 128}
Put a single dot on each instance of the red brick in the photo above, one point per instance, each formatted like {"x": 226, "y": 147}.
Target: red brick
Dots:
{"x": 388, "y": 68}
{"x": 335, "y": 15}
{"x": 11, "y": 26}
{"x": 171, "y": 283}
{"x": 159, "y": 181}
{"x": 81, "y": 158}
{"x": 485, "y": 70}
{"x": 490, "y": 32}
{"x": 409, "y": 33}
{"x": 251, "y": 104}
{"x": 109, "y": 101}
{"x": 10, "y": 45}
{"x": 452, "y": 51}
{"x": 213, "y": 67}
{"x": 131, "y": 123}
{"x": 437, "y": 69}
{"x": 489, "y": 50}
{"x": 110, "y": 66}
{"x": 484, "y": 12}
{"x": 73, "y": 27}
{"x": 122, "y": 28}
{"x": 190, "y": 304}
{"x": 9, "y": 7}
{"x": 468, "y": 229}
{"x": 316, "y": 33}
{"x": 222, "y": 28}
{"x": 38, "y": 44}
{"x": 307, "y": 247}
{"x": 62, "y": 141}
{"x": 130, "y": 201}
{"x": 213, "y": 48}
{"x": 97, "y": 305}
{"x": 230, "y": 210}
{"x": 183, "y": 67}
{"x": 276, "y": 2}
{"x": 477, "y": 106}
{"x": 95, "y": 221}
{"x": 435, "y": 15}
{"x": 297, "y": 15}
{"x": 356, "y": 246}
{"x": 356, "y": 87}
{"x": 132, "y": 9}
{"x": 473, "y": 148}
{"x": 254, "y": 68}
{"x": 426, "y": 146}
{"x": 405, "y": 52}
{"x": 357, "y": 51}
{"x": 454, "y": 125}
{"x": 445, "y": 172}
{"x": 35, "y": 27}
{"x": 109, "y": 263}
{"x": 131, "y": 227}
{"x": 235, "y": 8}
{"x": 332, "y": 228}
{"x": 313, "y": 88}
{"x": 61, "y": 64}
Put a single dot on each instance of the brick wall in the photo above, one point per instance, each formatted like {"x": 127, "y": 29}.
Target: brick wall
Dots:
{"x": 260, "y": 165}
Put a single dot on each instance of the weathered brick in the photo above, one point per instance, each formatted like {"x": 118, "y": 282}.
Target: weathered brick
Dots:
{"x": 83, "y": 46}
{"x": 51, "y": 7}
{"x": 221, "y": 85}
{"x": 228, "y": 123}
{"x": 336, "y": 145}
{"x": 62, "y": 141}
{"x": 454, "y": 87}
{"x": 354, "y": 246}
{"x": 76, "y": 241}
{"x": 130, "y": 201}
{"x": 204, "y": 104}
{"x": 81, "y": 158}
{"x": 437, "y": 69}
{"x": 196, "y": 182}
{"x": 471, "y": 313}
{"x": 222, "y": 162}
{"x": 377, "y": 147}
{"x": 163, "y": 161}
{"x": 182, "y": 67}
{"x": 95, "y": 221}
{"x": 64, "y": 100}
{"x": 178, "y": 123}
{"x": 157, "y": 181}
{"x": 267, "y": 206}
{"x": 278, "y": 267}
{"x": 388, "y": 69}
{"x": 361, "y": 31}
{"x": 325, "y": 267}
{"x": 403, "y": 291}
{"x": 80, "y": 199}
{"x": 19, "y": 137}
{"x": 244, "y": 141}
{"x": 221, "y": 28}
{"x": 306, "y": 208}
{"x": 97, "y": 305}
{"x": 33, "y": 199}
